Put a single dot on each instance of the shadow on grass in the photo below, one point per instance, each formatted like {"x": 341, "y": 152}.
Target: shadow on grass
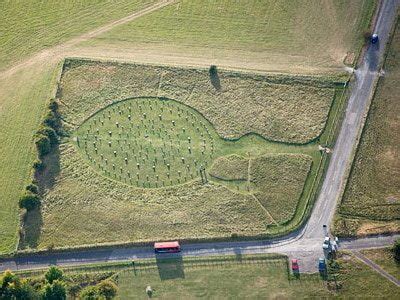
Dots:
{"x": 47, "y": 178}
{"x": 33, "y": 221}
{"x": 170, "y": 266}
{"x": 214, "y": 78}
{"x": 31, "y": 229}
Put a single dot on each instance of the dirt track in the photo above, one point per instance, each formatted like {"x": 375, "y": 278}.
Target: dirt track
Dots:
{"x": 58, "y": 52}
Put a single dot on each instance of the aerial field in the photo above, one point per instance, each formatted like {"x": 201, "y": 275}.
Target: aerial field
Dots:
{"x": 257, "y": 276}
{"x": 30, "y": 26}
{"x": 28, "y": 75}
{"x": 371, "y": 203}
{"x": 285, "y": 36}
{"x": 141, "y": 143}
{"x": 25, "y": 90}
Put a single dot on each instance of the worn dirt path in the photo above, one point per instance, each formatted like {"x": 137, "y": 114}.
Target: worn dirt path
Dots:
{"x": 376, "y": 268}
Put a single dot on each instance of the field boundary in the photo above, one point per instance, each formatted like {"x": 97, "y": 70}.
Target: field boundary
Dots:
{"x": 311, "y": 189}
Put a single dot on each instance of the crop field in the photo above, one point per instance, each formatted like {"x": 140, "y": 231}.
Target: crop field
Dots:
{"x": 285, "y": 36}
{"x": 371, "y": 202}
{"x": 141, "y": 145}
{"x": 29, "y": 26}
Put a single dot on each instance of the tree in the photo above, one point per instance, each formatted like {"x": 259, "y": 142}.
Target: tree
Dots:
{"x": 43, "y": 144}
{"x": 29, "y": 201}
{"x": 108, "y": 289}
{"x": 50, "y": 133}
{"x": 33, "y": 188}
{"x": 396, "y": 250}
{"x": 53, "y": 274}
{"x": 12, "y": 287}
{"x": 54, "y": 291}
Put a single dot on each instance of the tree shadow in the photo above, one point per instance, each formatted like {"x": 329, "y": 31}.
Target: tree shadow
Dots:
{"x": 47, "y": 178}
{"x": 170, "y": 266}
{"x": 214, "y": 78}
{"x": 32, "y": 220}
{"x": 32, "y": 225}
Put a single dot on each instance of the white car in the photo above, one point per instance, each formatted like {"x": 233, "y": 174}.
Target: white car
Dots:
{"x": 327, "y": 243}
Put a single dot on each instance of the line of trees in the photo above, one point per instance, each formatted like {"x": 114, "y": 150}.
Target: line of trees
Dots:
{"x": 54, "y": 286}
{"x": 46, "y": 139}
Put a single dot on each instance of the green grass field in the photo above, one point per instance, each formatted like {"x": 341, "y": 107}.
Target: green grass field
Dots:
{"x": 371, "y": 202}
{"x": 385, "y": 259}
{"x": 250, "y": 277}
{"x": 30, "y": 26}
{"x": 296, "y": 36}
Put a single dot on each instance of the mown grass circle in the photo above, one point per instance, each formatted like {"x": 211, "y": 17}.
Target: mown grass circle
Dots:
{"x": 147, "y": 142}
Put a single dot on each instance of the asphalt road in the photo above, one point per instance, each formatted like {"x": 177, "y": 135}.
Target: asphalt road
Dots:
{"x": 304, "y": 244}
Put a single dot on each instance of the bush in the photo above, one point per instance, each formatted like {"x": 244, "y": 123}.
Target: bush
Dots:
{"x": 89, "y": 293}
{"x": 213, "y": 70}
{"x": 38, "y": 165}
{"x": 29, "y": 201}
{"x": 43, "y": 144}
{"x": 50, "y": 133}
{"x": 107, "y": 288}
{"x": 53, "y": 106}
{"x": 396, "y": 250}
{"x": 53, "y": 291}
{"x": 51, "y": 120}
{"x": 33, "y": 188}
{"x": 53, "y": 274}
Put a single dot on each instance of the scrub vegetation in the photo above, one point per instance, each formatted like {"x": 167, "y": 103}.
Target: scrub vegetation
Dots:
{"x": 371, "y": 203}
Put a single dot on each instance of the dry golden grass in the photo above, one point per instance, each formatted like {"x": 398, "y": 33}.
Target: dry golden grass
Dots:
{"x": 232, "y": 167}
{"x": 280, "y": 108}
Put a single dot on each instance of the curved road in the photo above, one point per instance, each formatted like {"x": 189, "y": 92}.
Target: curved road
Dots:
{"x": 306, "y": 243}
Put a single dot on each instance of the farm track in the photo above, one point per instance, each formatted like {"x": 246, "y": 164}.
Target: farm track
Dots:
{"x": 305, "y": 243}
{"x": 58, "y": 52}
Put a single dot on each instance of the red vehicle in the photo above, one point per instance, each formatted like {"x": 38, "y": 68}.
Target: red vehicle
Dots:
{"x": 295, "y": 265}
{"x": 167, "y": 247}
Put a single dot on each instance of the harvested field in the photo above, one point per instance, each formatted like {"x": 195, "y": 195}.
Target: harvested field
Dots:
{"x": 284, "y": 36}
{"x": 29, "y": 26}
{"x": 373, "y": 190}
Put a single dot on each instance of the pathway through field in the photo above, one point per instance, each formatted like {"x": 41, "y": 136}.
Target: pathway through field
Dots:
{"x": 58, "y": 52}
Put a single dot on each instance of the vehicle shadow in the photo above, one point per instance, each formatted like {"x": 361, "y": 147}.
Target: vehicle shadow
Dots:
{"x": 170, "y": 266}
